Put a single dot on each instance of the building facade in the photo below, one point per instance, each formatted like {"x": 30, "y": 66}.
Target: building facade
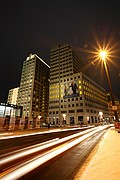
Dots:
{"x": 33, "y": 93}
{"x": 74, "y": 97}
{"x": 63, "y": 63}
{"x": 112, "y": 108}
{"x": 10, "y": 115}
{"x": 12, "y": 96}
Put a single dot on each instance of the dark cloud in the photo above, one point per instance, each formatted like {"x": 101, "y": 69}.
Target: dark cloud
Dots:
{"x": 36, "y": 26}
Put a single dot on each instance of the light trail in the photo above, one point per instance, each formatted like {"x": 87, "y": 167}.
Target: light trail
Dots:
{"x": 33, "y": 149}
{"x": 24, "y": 151}
{"x": 30, "y": 165}
{"x": 5, "y": 134}
{"x": 43, "y": 132}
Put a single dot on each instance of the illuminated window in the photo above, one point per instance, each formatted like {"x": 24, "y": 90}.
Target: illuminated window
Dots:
{"x": 80, "y": 92}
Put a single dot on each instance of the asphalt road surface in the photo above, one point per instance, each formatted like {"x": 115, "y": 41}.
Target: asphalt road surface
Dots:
{"x": 8, "y": 145}
{"x": 66, "y": 165}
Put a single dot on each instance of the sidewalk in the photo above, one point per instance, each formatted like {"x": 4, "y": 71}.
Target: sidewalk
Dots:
{"x": 104, "y": 162}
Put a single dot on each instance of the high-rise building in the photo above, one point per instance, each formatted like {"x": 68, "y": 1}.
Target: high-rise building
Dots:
{"x": 33, "y": 93}
{"x": 74, "y": 97}
{"x": 63, "y": 63}
{"x": 12, "y": 96}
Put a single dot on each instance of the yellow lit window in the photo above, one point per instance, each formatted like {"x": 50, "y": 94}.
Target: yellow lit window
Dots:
{"x": 80, "y": 92}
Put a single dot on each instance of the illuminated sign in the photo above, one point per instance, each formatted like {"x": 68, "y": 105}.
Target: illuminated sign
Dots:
{"x": 70, "y": 90}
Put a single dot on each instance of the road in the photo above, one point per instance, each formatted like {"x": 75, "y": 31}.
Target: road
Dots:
{"x": 57, "y": 158}
{"x": 11, "y": 143}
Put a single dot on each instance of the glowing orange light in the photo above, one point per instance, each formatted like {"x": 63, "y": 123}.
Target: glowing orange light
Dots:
{"x": 103, "y": 55}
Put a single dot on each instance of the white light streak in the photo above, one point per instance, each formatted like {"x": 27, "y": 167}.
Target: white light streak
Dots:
{"x": 36, "y": 162}
{"x": 43, "y": 132}
{"x": 25, "y": 152}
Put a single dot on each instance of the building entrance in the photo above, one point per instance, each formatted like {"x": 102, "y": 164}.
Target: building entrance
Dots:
{"x": 80, "y": 120}
{"x": 72, "y": 120}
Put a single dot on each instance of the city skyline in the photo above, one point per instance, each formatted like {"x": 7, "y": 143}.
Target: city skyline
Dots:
{"x": 35, "y": 27}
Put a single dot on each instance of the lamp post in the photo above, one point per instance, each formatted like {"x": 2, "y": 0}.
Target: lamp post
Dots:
{"x": 101, "y": 117}
{"x": 64, "y": 118}
{"x": 39, "y": 117}
{"x": 103, "y": 56}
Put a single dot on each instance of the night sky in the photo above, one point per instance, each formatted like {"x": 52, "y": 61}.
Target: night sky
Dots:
{"x": 35, "y": 26}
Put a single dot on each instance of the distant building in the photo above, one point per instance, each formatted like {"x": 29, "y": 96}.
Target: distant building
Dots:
{"x": 33, "y": 93}
{"x": 12, "y": 96}
{"x": 112, "y": 108}
{"x": 10, "y": 115}
{"x": 74, "y": 97}
{"x": 10, "y": 110}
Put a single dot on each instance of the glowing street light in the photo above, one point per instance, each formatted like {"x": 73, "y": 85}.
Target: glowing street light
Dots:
{"x": 64, "y": 118}
{"x": 64, "y": 115}
{"x": 103, "y": 55}
{"x": 101, "y": 116}
{"x": 39, "y": 117}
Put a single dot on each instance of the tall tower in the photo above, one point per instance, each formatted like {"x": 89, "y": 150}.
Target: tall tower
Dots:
{"x": 74, "y": 97}
{"x": 63, "y": 63}
{"x": 33, "y": 93}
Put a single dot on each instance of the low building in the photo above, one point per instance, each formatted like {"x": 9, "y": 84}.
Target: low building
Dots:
{"x": 111, "y": 108}
{"x": 77, "y": 99}
{"x": 12, "y": 96}
{"x": 10, "y": 115}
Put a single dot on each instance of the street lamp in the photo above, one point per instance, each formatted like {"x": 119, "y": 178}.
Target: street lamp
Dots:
{"x": 39, "y": 117}
{"x": 101, "y": 117}
{"x": 103, "y": 56}
{"x": 64, "y": 120}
